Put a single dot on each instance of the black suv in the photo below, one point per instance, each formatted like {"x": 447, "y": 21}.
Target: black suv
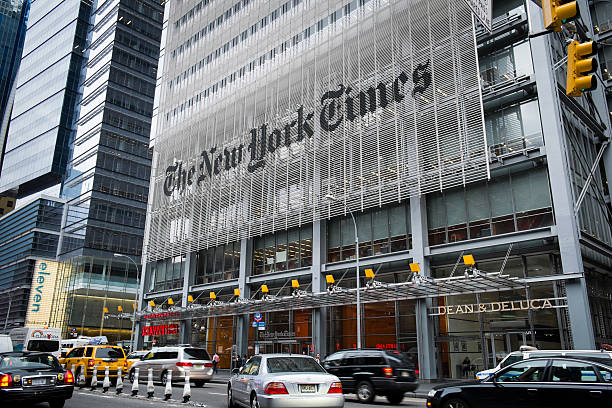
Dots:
{"x": 368, "y": 373}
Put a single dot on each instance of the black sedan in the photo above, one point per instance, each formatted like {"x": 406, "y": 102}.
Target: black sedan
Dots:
{"x": 541, "y": 382}
{"x": 33, "y": 378}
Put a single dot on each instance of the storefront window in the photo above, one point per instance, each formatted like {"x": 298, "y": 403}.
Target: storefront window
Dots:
{"x": 219, "y": 263}
{"x": 283, "y": 250}
{"x": 516, "y": 202}
{"x": 380, "y": 231}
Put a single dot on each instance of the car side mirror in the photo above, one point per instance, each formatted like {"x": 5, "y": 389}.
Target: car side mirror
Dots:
{"x": 142, "y": 357}
{"x": 235, "y": 371}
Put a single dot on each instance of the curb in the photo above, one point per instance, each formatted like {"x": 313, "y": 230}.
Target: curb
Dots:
{"x": 170, "y": 402}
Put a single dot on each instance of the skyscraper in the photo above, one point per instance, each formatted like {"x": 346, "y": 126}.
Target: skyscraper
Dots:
{"x": 108, "y": 177}
{"x": 46, "y": 99}
{"x": 13, "y": 19}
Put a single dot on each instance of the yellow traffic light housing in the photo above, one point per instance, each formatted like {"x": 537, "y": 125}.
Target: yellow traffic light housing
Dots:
{"x": 578, "y": 65}
{"x": 558, "y": 12}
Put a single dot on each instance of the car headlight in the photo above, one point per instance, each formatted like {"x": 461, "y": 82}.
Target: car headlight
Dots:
{"x": 432, "y": 393}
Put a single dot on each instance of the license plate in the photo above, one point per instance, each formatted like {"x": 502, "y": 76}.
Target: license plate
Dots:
{"x": 405, "y": 374}
{"x": 198, "y": 367}
{"x": 39, "y": 381}
{"x": 308, "y": 388}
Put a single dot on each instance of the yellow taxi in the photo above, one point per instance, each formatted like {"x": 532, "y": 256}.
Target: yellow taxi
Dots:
{"x": 88, "y": 357}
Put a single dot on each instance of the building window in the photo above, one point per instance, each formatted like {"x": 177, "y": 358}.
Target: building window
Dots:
{"x": 219, "y": 263}
{"x": 380, "y": 231}
{"x": 168, "y": 273}
{"x": 514, "y": 129}
{"x": 516, "y": 202}
{"x": 283, "y": 250}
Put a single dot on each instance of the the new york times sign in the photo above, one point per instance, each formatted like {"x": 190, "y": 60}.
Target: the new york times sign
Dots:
{"x": 336, "y": 106}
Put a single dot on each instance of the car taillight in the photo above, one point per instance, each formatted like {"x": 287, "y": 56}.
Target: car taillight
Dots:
{"x": 276, "y": 388}
{"x": 336, "y": 388}
{"x": 91, "y": 363}
{"x": 68, "y": 377}
{"x": 388, "y": 372}
{"x": 207, "y": 365}
{"x": 6, "y": 381}
{"x": 125, "y": 364}
{"x": 416, "y": 373}
{"x": 179, "y": 364}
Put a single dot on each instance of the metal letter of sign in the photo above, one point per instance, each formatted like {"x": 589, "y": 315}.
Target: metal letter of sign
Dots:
{"x": 265, "y": 112}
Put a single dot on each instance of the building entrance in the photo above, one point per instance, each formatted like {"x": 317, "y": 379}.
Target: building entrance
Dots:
{"x": 500, "y": 344}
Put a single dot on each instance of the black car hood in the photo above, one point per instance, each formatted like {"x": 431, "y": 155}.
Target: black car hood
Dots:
{"x": 457, "y": 384}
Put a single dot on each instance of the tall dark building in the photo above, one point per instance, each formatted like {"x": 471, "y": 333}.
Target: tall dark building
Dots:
{"x": 47, "y": 95}
{"x": 13, "y": 20}
{"x": 108, "y": 177}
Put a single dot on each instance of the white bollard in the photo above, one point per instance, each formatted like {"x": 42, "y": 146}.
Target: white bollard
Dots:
{"x": 94, "y": 378}
{"x": 150, "y": 387}
{"x": 187, "y": 388}
{"x": 135, "y": 383}
{"x": 73, "y": 372}
{"x": 168, "y": 390}
{"x": 82, "y": 379}
{"x": 119, "y": 387}
{"x": 106, "y": 382}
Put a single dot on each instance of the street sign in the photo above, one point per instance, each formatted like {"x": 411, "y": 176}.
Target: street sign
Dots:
{"x": 483, "y": 11}
{"x": 261, "y": 324}
{"x": 258, "y": 317}
{"x": 254, "y": 324}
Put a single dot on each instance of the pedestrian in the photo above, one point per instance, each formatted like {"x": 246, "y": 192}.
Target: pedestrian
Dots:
{"x": 244, "y": 359}
{"x": 238, "y": 361}
{"x": 318, "y": 358}
{"x": 216, "y": 359}
{"x": 465, "y": 366}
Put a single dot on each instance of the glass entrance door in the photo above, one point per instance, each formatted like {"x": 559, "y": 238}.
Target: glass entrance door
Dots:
{"x": 500, "y": 344}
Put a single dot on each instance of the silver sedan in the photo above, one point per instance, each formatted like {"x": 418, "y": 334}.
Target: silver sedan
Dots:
{"x": 283, "y": 381}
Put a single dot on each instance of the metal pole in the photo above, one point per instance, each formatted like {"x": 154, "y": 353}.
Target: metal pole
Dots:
{"x": 8, "y": 311}
{"x": 358, "y": 283}
{"x": 135, "y": 300}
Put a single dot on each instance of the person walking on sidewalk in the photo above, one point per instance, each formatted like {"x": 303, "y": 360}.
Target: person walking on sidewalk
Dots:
{"x": 215, "y": 362}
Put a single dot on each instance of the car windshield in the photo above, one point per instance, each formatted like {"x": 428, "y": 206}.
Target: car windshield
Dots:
{"x": 45, "y": 346}
{"x": 512, "y": 358}
{"x": 195, "y": 354}
{"x": 399, "y": 359}
{"x": 34, "y": 361}
{"x": 109, "y": 352}
{"x": 293, "y": 365}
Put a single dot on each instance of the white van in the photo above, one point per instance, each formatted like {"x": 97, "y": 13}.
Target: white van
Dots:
{"x": 6, "y": 344}
{"x": 69, "y": 344}
{"x": 46, "y": 339}
{"x": 600, "y": 356}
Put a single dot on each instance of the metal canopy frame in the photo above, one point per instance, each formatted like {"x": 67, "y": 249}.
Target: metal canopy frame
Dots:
{"x": 418, "y": 287}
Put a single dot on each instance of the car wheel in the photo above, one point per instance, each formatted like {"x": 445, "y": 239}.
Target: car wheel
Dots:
{"x": 365, "y": 392}
{"x": 199, "y": 383}
{"x": 254, "y": 402}
{"x": 455, "y": 403}
{"x": 230, "y": 400}
{"x": 395, "y": 398}
{"x": 58, "y": 403}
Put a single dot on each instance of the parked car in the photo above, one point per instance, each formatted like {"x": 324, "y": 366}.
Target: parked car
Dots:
{"x": 32, "y": 377}
{"x": 371, "y": 372}
{"x": 283, "y": 380}
{"x": 89, "y": 357}
{"x": 538, "y": 382}
{"x": 602, "y": 356}
{"x": 176, "y": 360}
{"x": 133, "y": 357}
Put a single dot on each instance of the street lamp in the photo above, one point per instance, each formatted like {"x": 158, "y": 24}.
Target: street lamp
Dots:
{"x": 135, "y": 298}
{"x": 330, "y": 197}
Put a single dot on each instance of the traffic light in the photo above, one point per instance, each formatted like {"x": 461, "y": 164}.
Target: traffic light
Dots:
{"x": 578, "y": 65}
{"x": 558, "y": 12}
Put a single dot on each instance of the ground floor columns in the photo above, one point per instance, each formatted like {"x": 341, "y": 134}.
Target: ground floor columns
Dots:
{"x": 424, "y": 323}
{"x": 319, "y": 315}
{"x": 242, "y": 321}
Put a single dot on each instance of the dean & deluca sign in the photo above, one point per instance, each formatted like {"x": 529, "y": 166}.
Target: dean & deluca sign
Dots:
{"x": 504, "y": 306}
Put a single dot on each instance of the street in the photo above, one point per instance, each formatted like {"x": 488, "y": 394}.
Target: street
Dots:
{"x": 212, "y": 395}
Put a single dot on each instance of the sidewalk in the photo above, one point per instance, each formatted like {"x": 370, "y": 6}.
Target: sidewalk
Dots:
{"x": 421, "y": 392}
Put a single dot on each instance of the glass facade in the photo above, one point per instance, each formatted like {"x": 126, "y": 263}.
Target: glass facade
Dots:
{"x": 13, "y": 20}
{"x": 44, "y": 113}
{"x": 28, "y": 233}
{"x": 283, "y": 250}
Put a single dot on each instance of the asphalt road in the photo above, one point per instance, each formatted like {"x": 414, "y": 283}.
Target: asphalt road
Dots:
{"x": 212, "y": 395}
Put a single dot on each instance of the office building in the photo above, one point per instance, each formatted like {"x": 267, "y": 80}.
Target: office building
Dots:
{"x": 13, "y": 20}
{"x": 108, "y": 178}
{"x": 29, "y": 239}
